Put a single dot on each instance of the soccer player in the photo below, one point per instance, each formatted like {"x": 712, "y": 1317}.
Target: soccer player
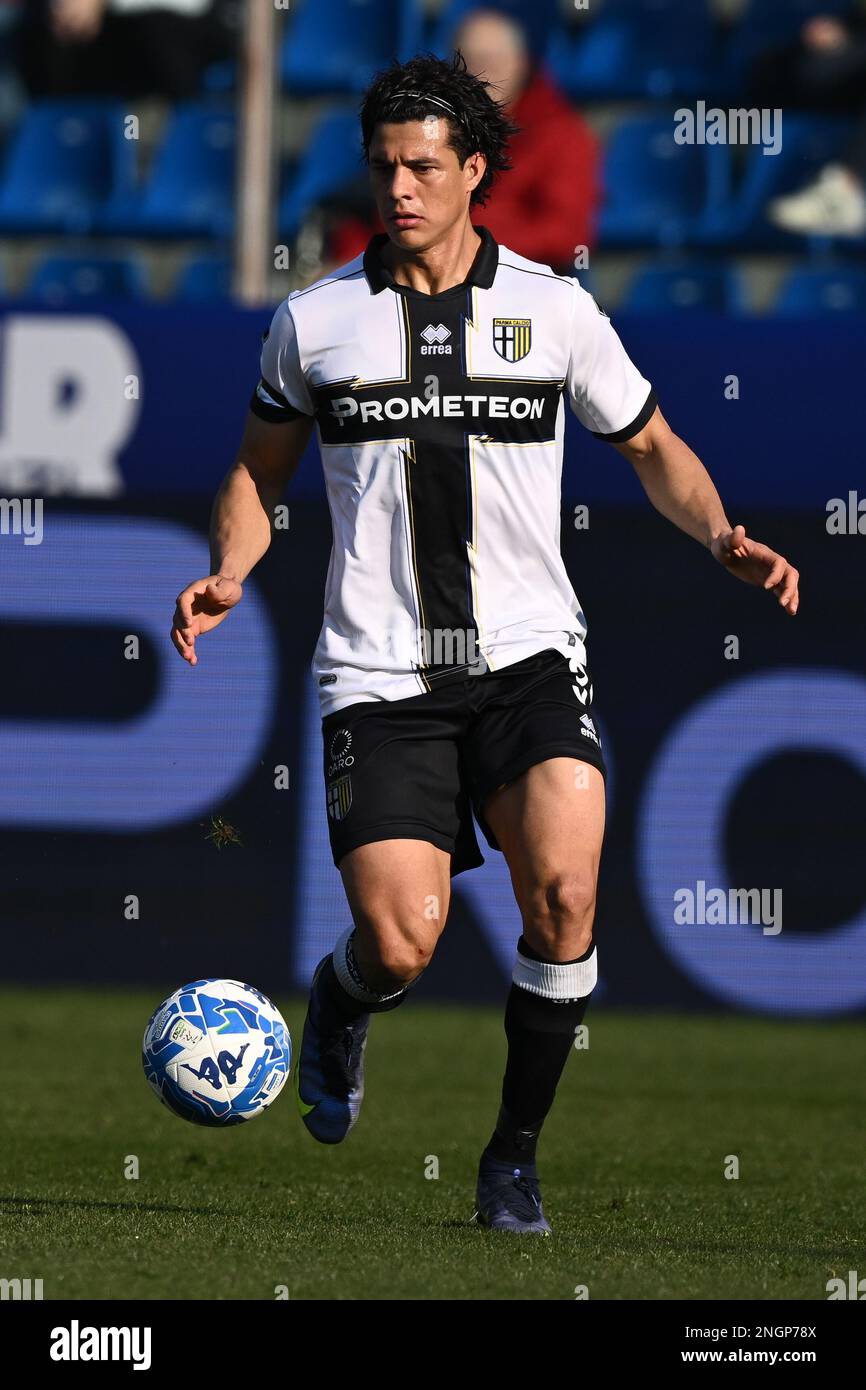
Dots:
{"x": 452, "y": 663}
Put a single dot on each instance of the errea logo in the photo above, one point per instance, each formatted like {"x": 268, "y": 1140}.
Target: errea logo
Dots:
{"x": 588, "y": 730}
{"x": 435, "y": 340}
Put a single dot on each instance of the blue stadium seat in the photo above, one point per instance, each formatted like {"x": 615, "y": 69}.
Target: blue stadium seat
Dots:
{"x": 659, "y": 50}
{"x": 331, "y": 159}
{"x": 219, "y": 79}
{"x": 656, "y": 191}
{"x": 813, "y": 291}
{"x": 65, "y": 280}
{"x": 204, "y": 278}
{"x": 339, "y": 46}
{"x": 65, "y": 161}
{"x": 684, "y": 287}
{"x": 190, "y": 192}
{"x": 808, "y": 143}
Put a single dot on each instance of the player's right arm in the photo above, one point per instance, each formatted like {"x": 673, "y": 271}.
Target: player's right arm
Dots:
{"x": 241, "y": 524}
{"x": 278, "y": 427}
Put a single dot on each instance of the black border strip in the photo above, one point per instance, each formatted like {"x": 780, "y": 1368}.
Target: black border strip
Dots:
{"x": 281, "y": 413}
{"x": 642, "y": 418}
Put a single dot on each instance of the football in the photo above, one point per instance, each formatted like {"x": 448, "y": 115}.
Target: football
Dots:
{"x": 217, "y": 1052}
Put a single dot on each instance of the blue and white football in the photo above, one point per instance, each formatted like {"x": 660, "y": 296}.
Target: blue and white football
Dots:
{"x": 217, "y": 1052}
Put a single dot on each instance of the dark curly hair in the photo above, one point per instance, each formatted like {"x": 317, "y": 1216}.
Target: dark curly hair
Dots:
{"x": 431, "y": 86}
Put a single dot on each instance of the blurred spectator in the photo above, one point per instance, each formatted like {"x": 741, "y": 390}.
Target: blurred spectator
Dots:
{"x": 129, "y": 48}
{"x": 823, "y": 70}
{"x": 11, "y": 94}
{"x": 545, "y": 206}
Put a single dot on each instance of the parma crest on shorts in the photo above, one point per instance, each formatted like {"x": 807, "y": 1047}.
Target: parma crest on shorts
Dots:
{"x": 512, "y": 338}
{"x": 339, "y": 797}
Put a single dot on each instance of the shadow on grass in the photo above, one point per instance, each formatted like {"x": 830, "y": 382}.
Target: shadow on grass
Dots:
{"x": 83, "y": 1204}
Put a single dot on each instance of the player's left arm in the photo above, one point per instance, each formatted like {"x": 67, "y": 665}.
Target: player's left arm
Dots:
{"x": 678, "y": 485}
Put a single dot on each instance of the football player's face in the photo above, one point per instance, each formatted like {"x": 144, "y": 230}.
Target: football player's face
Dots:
{"x": 421, "y": 191}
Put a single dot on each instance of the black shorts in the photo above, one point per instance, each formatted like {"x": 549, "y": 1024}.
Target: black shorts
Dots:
{"x": 417, "y": 768}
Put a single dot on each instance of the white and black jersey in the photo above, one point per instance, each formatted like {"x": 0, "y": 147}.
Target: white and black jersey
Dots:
{"x": 441, "y": 422}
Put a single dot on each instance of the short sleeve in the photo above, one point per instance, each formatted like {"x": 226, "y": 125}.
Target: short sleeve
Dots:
{"x": 282, "y": 392}
{"x": 608, "y": 394}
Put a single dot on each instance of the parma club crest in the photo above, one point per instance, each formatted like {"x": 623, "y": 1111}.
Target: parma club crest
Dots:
{"x": 512, "y": 338}
{"x": 339, "y": 797}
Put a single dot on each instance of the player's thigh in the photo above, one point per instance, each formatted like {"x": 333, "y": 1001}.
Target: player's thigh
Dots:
{"x": 549, "y": 823}
{"x": 399, "y": 893}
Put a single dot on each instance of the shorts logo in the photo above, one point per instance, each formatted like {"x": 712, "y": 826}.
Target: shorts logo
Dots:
{"x": 341, "y": 743}
{"x": 340, "y": 797}
{"x": 589, "y": 730}
{"x": 340, "y": 756}
{"x": 582, "y": 680}
{"x": 512, "y": 338}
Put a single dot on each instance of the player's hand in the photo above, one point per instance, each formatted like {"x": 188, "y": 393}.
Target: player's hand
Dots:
{"x": 200, "y": 608}
{"x": 755, "y": 563}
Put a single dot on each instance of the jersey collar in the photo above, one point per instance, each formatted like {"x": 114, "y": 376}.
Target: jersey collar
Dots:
{"x": 481, "y": 274}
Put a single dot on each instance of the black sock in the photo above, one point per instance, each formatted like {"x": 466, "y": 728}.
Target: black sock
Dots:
{"x": 347, "y": 1008}
{"x": 540, "y": 1034}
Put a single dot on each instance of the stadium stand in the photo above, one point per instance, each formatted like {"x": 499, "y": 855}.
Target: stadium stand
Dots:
{"x": 739, "y": 220}
{"x": 190, "y": 192}
{"x": 66, "y": 160}
{"x": 813, "y": 292}
{"x": 204, "y": 278}
{"x": 542, "y": 22}
{"x": 683, "y": 288}
{"x": 331, "y": 158}
{"x": 638, "y": 50}
{"x": 68, "y": 171}
{"x": 657, "y": 191}
{"x": 336, "y": 48}
{"x": 78, "y": 280}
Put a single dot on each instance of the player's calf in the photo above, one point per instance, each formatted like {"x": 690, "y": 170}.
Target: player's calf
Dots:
{"x": 329, "y": 1077}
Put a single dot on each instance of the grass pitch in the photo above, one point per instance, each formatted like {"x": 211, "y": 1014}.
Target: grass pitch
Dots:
{"x": 632, "y": 1163}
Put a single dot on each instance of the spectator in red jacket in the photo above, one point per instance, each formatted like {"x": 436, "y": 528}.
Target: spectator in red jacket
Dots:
{"x": 546, "y": 206}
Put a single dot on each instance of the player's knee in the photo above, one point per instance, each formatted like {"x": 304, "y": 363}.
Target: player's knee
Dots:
{"x": 564, "y": 906}
{"x": 400, "y": 959}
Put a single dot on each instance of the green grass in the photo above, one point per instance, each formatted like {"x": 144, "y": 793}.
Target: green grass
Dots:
{"x": 632, "y": 1163}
